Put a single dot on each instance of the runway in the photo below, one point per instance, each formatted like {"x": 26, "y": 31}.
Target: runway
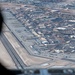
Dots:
{"x": 17, "y": 60}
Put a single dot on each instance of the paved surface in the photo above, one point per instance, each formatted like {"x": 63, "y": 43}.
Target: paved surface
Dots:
{"x": 17, "y": 60}
{"x": 4, "y": 57}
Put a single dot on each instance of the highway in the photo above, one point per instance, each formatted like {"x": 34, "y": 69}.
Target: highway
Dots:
{"x": 72, "y": 60}
{"x": 17, "y": 60}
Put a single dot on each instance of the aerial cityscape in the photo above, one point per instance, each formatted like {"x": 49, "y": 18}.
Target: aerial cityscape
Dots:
{"x": 38, "y": 33}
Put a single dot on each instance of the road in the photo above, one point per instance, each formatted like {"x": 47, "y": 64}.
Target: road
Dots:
{"x": 72, "y": 60}
{"x": 17, "y": 60}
